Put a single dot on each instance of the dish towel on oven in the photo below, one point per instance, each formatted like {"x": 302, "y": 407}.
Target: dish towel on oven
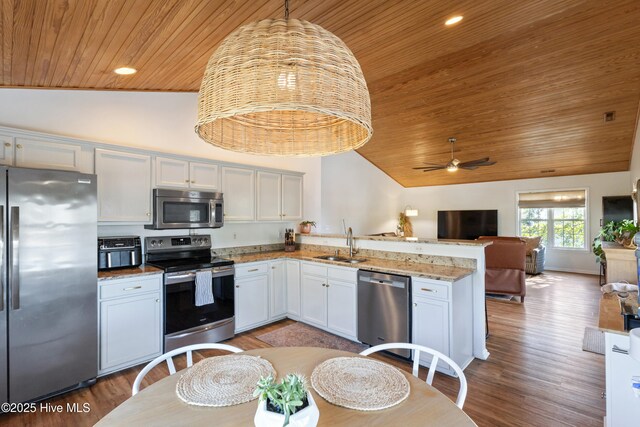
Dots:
{"x": 204, "y": 294}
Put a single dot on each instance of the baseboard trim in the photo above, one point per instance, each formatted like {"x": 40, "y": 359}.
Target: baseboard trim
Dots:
{"x": 571, "y": 270}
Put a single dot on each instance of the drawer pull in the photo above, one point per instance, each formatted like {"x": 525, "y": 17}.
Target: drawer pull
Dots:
{"x": 617, "y": 349}
{"x": 252, "y": 270}
{"x": 429, "y": 290}
{"x": 132, "y": 288}
{"x": 237, "y": 286}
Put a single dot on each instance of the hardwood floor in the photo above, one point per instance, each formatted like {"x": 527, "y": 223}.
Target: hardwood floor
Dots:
{"x": 537, "y": 374}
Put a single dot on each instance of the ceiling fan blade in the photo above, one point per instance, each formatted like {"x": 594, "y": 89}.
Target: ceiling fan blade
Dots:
{"x": 432, "y": 164}
{"x": 431, "y": 168}
{"x": 478, "y": 162}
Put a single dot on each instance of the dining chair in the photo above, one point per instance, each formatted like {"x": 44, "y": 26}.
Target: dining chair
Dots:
{"x": 462, "y": 393}
{"x": 168, "y": 357}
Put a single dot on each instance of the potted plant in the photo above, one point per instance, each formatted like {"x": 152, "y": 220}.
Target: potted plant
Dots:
{"x": 305, "y": 226}
{"x": 287, "y": 403}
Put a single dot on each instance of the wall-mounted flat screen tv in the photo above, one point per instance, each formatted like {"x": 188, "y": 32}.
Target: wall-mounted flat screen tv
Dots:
{"x": 467, "y": 225}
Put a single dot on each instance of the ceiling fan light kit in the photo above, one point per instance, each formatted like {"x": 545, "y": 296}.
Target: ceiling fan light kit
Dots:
{"x": 284, "y": 87}
{"x": 455, "y": 164}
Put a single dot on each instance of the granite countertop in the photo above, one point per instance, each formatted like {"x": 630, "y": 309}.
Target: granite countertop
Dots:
{"x": 610, "y": 318}
{"x": 417, "y": 269}
{"x": 406, "y": 239}
{"x": 143, "y": 270}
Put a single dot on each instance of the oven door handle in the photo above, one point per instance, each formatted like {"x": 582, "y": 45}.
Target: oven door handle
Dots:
{"x": 180, "y": 278}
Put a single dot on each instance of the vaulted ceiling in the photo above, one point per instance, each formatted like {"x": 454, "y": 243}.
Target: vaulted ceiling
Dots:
{"x": 523, "y": 82}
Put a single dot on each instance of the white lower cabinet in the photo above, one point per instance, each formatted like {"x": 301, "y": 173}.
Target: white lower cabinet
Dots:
{"x": 442, "y": 319}
{"x": 329, "y": 298}
{"x": 314, "y": 300}
{"x": 293, "y": 289}
{"x": 251, "y": 296}
{"x": 130, "y": 322}
{"x": 277, "y": 290}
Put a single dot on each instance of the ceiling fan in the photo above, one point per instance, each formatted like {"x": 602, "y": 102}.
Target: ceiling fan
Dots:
{"x": 455, "y": 164}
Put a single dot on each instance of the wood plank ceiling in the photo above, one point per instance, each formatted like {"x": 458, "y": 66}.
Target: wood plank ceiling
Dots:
{"x": 526, "y": 83}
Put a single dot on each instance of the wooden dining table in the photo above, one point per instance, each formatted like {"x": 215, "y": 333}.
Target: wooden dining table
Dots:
{"x": 158, "y": 404}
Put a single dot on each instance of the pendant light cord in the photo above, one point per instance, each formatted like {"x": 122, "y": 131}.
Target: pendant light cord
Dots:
{"x": 286, "y": 9}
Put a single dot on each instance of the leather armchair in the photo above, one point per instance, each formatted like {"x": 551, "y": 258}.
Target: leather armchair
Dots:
{"x": 505, "y": 266}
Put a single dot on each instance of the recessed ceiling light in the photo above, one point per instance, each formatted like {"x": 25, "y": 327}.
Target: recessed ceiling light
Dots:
{"x": 453, "y": 20}
{"x": 125, "y": 71}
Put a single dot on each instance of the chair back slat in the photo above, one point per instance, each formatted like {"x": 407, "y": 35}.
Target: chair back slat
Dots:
{"x": 168, "y": 358}
{"x": 416, "y": 362}
{"x": 432, "y": 369}
{"x": 171, "y": 366}
{"x": 436, "y": 357}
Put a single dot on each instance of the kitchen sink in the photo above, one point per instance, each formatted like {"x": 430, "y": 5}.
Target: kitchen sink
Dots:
{"x": 341, "y": 259}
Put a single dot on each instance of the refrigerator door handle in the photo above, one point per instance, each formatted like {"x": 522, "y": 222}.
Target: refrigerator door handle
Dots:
{"x": 14, "y": 274}
{"x": 2, "y": 243}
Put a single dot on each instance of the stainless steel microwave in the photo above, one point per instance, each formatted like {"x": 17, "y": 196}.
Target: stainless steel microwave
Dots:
{"x": 175, "y": 209}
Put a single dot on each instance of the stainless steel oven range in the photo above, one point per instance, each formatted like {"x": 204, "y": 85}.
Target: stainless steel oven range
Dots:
{"x": 187, "y": 318}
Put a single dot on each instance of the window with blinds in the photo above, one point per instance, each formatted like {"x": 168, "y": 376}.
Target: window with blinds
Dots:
{"x": 559, "y": 217}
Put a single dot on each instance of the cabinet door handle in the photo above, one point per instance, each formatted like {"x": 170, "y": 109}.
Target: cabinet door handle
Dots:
{"x": 327, "y": 286}
{"x": 132, "y": 288}
{"x": 19, "y": 146}
{"x": 324, "y": 284}
{"x": 429, "y": 290}
{"x": 193, "y": 182}
{"x": 237, "y": 286}
{"x": 617, "y": 349}
{"x": 252, "y": 270}
{"x": 273, "y": 267}
{"x": 157, "y": 299}
{"x": 186, "y": 180}
{"x": 415, "y": 304}
{"x": 7, "y": 144}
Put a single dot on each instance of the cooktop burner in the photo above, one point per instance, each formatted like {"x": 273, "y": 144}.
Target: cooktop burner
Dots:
{"x": 181, "y": 253}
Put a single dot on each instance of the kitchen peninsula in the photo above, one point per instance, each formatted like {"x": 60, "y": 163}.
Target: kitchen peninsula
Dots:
{"x": 450, "y": 267}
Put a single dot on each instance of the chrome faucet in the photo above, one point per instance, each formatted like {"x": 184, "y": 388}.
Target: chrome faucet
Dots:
{"x": 350, "y": 243}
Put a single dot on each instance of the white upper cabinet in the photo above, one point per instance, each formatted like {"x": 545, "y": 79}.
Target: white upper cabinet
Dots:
{"x": 291, "y": 197}
{"x": 175, "y": 173}
{"x": 279, "y": 197}
{"x": 124, "y": 186}
{"x": 203, "y": 176}
{"x": 238, "y": 186}
{"x": 42, "y": 154}
{"x": 269, "y": 198}
{"x": 172, "y": 173}
{"x": 6, "y": 150}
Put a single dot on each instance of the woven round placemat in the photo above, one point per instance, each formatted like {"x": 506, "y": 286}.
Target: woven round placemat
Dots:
{"x": 223, "y": 380}
{"x": 359, "y": 383}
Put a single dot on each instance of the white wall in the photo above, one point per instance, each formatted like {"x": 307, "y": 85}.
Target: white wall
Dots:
{"x": 355, "y": 190}
{"x": 370, "y": 201}
{"x": 149, "y": 120}
{"x": 634, "y": 166}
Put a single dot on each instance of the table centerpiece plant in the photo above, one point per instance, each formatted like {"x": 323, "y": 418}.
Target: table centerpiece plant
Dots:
{"x": 287, "y": 403}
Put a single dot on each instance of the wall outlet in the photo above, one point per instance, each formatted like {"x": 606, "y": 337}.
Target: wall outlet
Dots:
{"x": 235, "y": 236}
{"x": 418, "y": 248}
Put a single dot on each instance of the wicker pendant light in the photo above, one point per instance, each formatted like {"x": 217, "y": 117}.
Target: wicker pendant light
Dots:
{"x": 284, "y": 87}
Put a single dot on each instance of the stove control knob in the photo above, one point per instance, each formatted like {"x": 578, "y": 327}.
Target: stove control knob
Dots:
{"x": 200, "y": 241}
{"x": 206, "y": 240}
{"x": 160, "y": 242}
{"x": 153, "y": 243}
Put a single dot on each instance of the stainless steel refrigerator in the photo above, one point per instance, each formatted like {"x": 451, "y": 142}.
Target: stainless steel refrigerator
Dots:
{"x": 48, "y": 282}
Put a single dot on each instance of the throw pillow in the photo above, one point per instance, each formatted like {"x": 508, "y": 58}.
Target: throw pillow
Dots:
{"x": 531, "y": 243}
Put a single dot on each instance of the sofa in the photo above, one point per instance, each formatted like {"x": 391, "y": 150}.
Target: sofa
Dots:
{"x": 505, "y": 261}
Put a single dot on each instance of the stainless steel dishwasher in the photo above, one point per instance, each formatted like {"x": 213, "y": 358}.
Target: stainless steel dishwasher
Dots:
{"x": 384, "y": 309}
